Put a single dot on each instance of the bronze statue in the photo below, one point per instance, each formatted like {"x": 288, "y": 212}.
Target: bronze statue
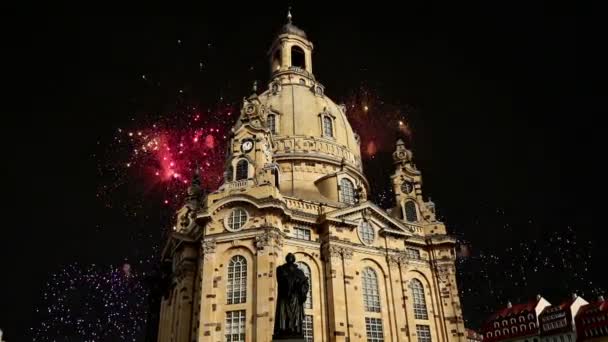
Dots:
{"x": 292, "y": 291}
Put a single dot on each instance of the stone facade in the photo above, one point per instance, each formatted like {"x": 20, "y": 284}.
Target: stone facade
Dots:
{"x": 294, "y": 183}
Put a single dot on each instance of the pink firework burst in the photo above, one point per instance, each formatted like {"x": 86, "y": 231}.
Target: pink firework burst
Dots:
{"x": 161, "y": 153}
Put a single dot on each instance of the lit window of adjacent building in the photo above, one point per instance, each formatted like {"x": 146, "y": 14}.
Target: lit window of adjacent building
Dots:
{"x": 423, "y": 332}
{"x": 237, "y": 219}
{"x": 242, "y": 170}
{"x": 237, "y": 280}
{"x": 371, "y": 295}
{"x": 347, "y": 191}
{"x": 414, "y": 253}
{"x": 410, "y": 211}
{"x": 235, "y": 326}
{"x": 308, "y": 329}
{"x": 328, "y": 127}
{"x": 373, "y": 328}
{"x": 366, "y": 232}
{"x": 271, "y": 121}
{"x": 302, "y": 233}
{"x": 420, "y": 311}
{"x": 304, "y": 267}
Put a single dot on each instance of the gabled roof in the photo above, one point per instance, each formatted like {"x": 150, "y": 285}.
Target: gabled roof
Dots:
{"x": 514, "y": 310}
{"x": 393, "y": 226}
{"x": 593, "y": 308}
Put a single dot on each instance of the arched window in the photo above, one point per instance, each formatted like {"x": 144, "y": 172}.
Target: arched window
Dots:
{"x": 271, "y": 121}
{"x": 237, "y": 280}
{"x": 410, "y": 211}
{"x": 304, "y": 267}
{"x": 347, "y": 191}
{"x": 489, "y": 334}
{"x": 229, "y": 173}
{"x": 532, "y": 325}
{"x": 497, "y": 333}
{"x": 328, "y": 127}
{"x": 298, "y": 58}
{"x": 513, "y": 330}
{"x": 242, "y": 170}
{"x": 276, "y": 60}
{"x": 366, "y": 232}
{"x": 530, "y": 316}
{"x": 522, "y": 319}
{"x": 371, "y": 295}
{"x": 522, "y": 327}
{"x": 496, "y": 325}
{"x": 420, "y": 311}
{"x": 505, "y": 331}
{"x": 504, "y": 323}
{"x": 513, "y": 321}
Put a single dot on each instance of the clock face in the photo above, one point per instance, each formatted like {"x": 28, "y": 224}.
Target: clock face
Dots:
{"x": 247, "y": 146}
{"x": 407, "y": 187}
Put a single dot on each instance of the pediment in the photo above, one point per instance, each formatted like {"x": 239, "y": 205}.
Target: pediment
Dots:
{"x": 370, "y": 211}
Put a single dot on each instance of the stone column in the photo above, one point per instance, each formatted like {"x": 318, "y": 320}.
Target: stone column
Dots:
{"x": 268, "y": 244}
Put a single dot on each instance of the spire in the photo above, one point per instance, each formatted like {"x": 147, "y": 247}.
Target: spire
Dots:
{"x": 194, "y": 190}
{"x": 289, "y": 14}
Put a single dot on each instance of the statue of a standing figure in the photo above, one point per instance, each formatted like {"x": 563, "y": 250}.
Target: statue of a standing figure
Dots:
{"x": 292, "y": 292}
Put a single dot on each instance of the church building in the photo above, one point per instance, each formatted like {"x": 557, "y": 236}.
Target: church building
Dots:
{"x": 294, "y": 183}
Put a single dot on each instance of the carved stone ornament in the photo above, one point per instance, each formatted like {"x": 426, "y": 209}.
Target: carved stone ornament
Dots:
{"x": 338, "y": 252}
{"x": 208, "y": 247}
{"x": 268, "y": 238}
{"x": 443, "y": 273}
{"x": 396, "y": 259}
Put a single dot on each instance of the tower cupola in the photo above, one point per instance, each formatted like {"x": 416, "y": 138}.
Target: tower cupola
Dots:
{"x": 291, "y": 51}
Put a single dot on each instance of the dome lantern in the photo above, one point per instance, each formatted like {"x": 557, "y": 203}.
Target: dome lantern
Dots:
{"x": 291, "y": 51}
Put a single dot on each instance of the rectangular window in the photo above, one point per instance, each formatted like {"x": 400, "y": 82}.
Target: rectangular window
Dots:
{"x": 308, "y": 331}
{"x": 302, "y": 233}
{"x": 412, "y": 253}
{"x": 423, "y": 332}
{"x": 235, "y": 326}
{"x": 373, "y": 326}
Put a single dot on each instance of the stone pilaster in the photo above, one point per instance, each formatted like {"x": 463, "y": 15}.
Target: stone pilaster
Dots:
{"x": 397, "y": 263}
{"x": 209, "y": 319}
{"x": 268, "y": 246}
{"x": 339, "y": 325}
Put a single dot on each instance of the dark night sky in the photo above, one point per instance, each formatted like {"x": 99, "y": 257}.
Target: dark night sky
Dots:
{"x": 501, "y": 121}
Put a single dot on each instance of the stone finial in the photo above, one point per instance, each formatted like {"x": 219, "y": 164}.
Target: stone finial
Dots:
{"x": 538, "y": 297}
{"x": 289, "y": 16}
{"x": 574, "y": 296}
{"x": 600, "y": 298}
{"x": 509, "y": 305}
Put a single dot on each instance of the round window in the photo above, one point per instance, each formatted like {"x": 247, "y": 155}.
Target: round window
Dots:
{"x": 366, "y": 233}
{"x": 236, "y": 219}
